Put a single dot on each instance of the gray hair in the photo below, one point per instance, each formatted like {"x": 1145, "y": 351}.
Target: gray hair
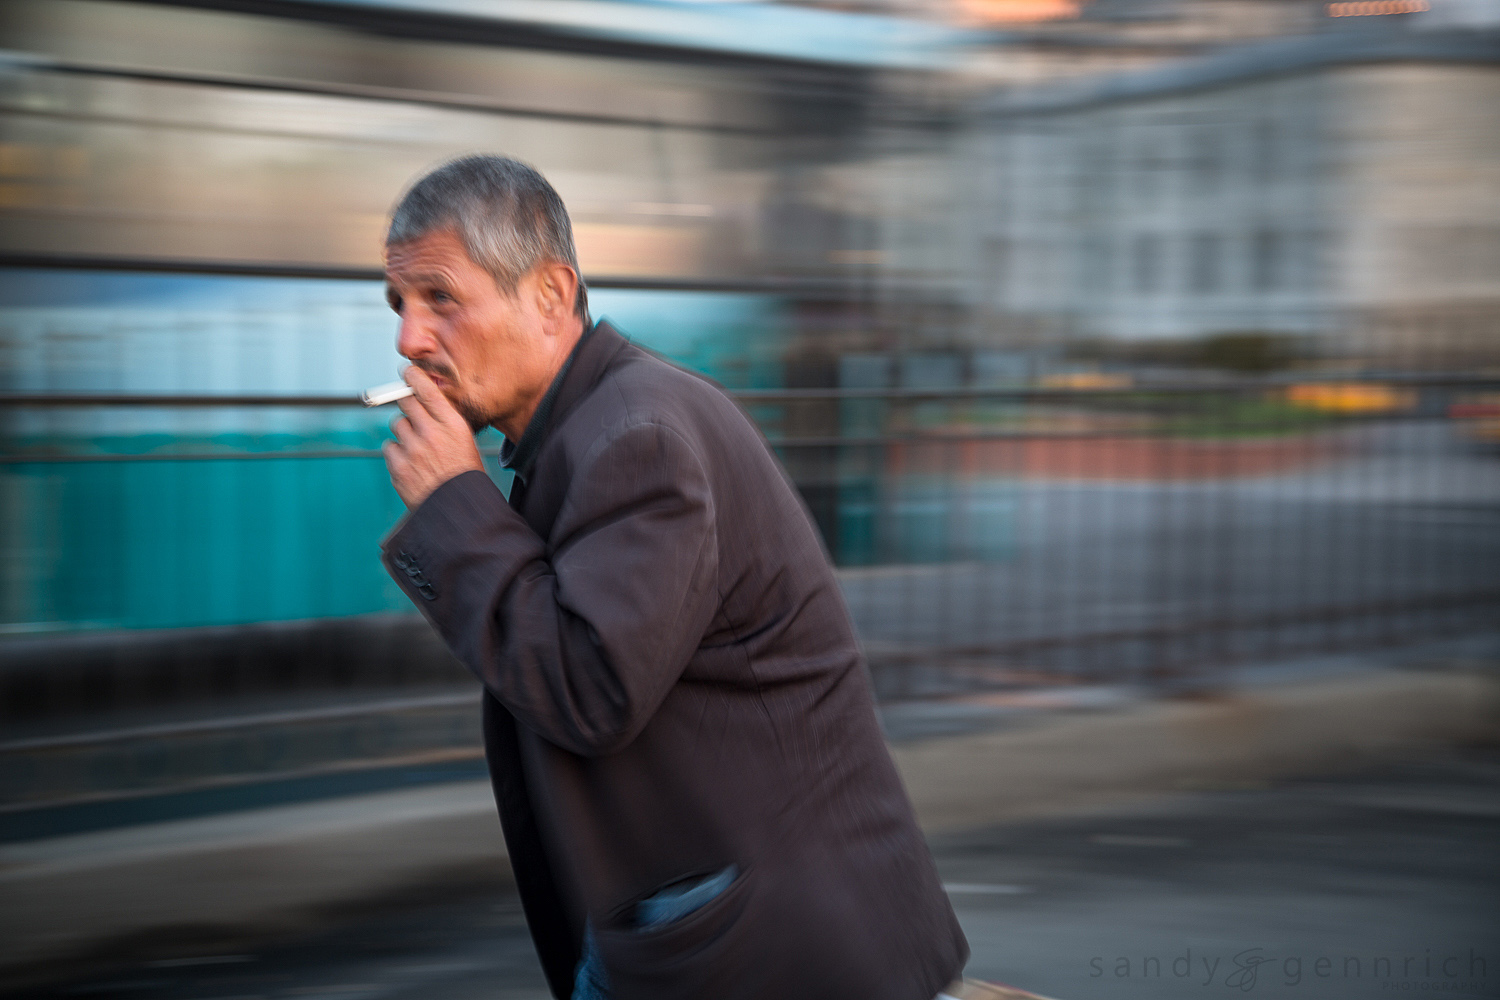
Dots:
{"x": 505, "y": 213}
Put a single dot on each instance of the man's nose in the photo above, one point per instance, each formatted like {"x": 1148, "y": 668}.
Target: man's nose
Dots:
{"x": 416, "y": 339}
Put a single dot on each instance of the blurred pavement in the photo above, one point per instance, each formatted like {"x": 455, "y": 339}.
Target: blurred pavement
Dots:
{"x": 969, "y": 763}
{"x": 1394, "y": 864}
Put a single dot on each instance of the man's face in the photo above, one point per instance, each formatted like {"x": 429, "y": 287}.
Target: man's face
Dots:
{"x": 484, "y": 348}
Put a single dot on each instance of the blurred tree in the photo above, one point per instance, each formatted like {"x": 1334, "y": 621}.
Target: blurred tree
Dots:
{"x": 1248, "y": 352}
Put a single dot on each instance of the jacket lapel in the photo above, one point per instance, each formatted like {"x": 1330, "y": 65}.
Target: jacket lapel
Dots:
{"x": 538, "y": 500}
{"x": 589, "y": 365}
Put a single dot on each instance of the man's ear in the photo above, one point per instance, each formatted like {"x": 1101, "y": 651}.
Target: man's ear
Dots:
{"x": 556, "y": 288}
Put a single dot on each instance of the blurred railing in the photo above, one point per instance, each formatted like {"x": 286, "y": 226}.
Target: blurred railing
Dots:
{"x": 1131, "y": 529}
{"x": 1120, "y": 531}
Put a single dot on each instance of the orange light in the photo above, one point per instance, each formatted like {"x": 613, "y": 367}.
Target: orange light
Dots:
{"x": 1018, "y": 11}
{"x": 1350, "y": 397}
{"x": 1087, "y": 380}
{"x": 1375, "y": 8}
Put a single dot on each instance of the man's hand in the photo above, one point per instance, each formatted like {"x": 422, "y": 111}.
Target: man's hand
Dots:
{"x": 433, "y": 442}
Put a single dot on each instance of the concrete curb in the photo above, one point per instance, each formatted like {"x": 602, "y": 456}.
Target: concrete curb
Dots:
{"x": 1081, "y": 761}
{"x": 282, "y": 867}
{"x": 240, "y": 873}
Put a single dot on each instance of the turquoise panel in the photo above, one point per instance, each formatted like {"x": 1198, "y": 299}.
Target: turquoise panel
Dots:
{"x": 154, "y": 544}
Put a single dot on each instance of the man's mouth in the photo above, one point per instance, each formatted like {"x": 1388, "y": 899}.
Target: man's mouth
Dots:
{"x": 442, "y": 379}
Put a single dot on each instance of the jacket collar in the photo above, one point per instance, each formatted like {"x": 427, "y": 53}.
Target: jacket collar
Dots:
{"x": 577, "y": 377}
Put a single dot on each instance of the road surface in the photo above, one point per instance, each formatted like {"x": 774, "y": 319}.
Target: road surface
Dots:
{"x": 1379, "y": 884}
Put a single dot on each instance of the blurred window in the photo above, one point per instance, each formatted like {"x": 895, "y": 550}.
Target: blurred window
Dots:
{"x": 1266, "y": 253}
{"x": 1150, "y": 164}
{"x": 1146, "y": 263}
{"x": 1205, "y": 263}
{"x": 1263, "y": 141}
{"x": 1096, "y": 271}
{"x": 1205, "y": 159}
{"x": 104, "y": 331}
{"x": 1093, "y": 177}
{"x": 999, "y": 265}
{"x": 1306, "y": 261}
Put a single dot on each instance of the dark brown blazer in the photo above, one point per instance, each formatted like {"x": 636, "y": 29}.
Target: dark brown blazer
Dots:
{"x": 672, "y": 685}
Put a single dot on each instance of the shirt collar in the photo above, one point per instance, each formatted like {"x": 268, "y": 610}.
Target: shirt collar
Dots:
{"x": 520, "y": 456}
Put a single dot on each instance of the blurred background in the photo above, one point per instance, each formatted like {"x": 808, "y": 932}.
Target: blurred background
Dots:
{"x": 1127, "y": 353}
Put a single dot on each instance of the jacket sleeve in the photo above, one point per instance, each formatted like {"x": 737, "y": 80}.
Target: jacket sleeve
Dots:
{"x": 579, "y": 636}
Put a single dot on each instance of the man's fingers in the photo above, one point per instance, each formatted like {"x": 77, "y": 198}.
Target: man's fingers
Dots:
{"x": 433, "y": 443}
{"x": 427, "y": 395}
{"x": 395, "y": 458}
{"x": 404, "y": 430}
{"x": 414, "y": 415}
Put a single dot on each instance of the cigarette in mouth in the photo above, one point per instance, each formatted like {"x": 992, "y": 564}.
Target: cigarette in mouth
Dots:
{"x": 388, "y": 393}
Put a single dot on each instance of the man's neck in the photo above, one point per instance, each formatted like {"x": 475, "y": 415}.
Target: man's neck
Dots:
{"x": 515, "y": 426}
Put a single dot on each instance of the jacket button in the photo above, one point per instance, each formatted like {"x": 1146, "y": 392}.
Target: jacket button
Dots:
{"x": 426, "y": 591}
{"x": 401, "y": 560}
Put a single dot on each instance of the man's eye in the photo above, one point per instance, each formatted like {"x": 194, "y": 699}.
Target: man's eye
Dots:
{"x": 441, "y": 297}
{"x": 395, "y": 303}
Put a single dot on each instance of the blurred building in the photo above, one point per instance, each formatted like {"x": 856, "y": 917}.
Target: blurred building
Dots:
{"x": 785, "y": 196}
{"x": 276, "y": 134}
{"x": 882, "y": 223}
{"x": 192, "y": 203}
{"x": 1021, "y": 41}
{"x": 1344, "y": 184}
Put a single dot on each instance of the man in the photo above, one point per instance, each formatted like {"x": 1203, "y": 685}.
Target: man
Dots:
{"x": 694, "y": 789}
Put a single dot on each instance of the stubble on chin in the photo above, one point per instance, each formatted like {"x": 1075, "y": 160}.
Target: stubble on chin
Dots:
{"x": 477, "y": 419}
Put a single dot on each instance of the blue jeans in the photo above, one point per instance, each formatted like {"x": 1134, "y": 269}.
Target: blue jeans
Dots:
{"x": 591, "y": 981}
